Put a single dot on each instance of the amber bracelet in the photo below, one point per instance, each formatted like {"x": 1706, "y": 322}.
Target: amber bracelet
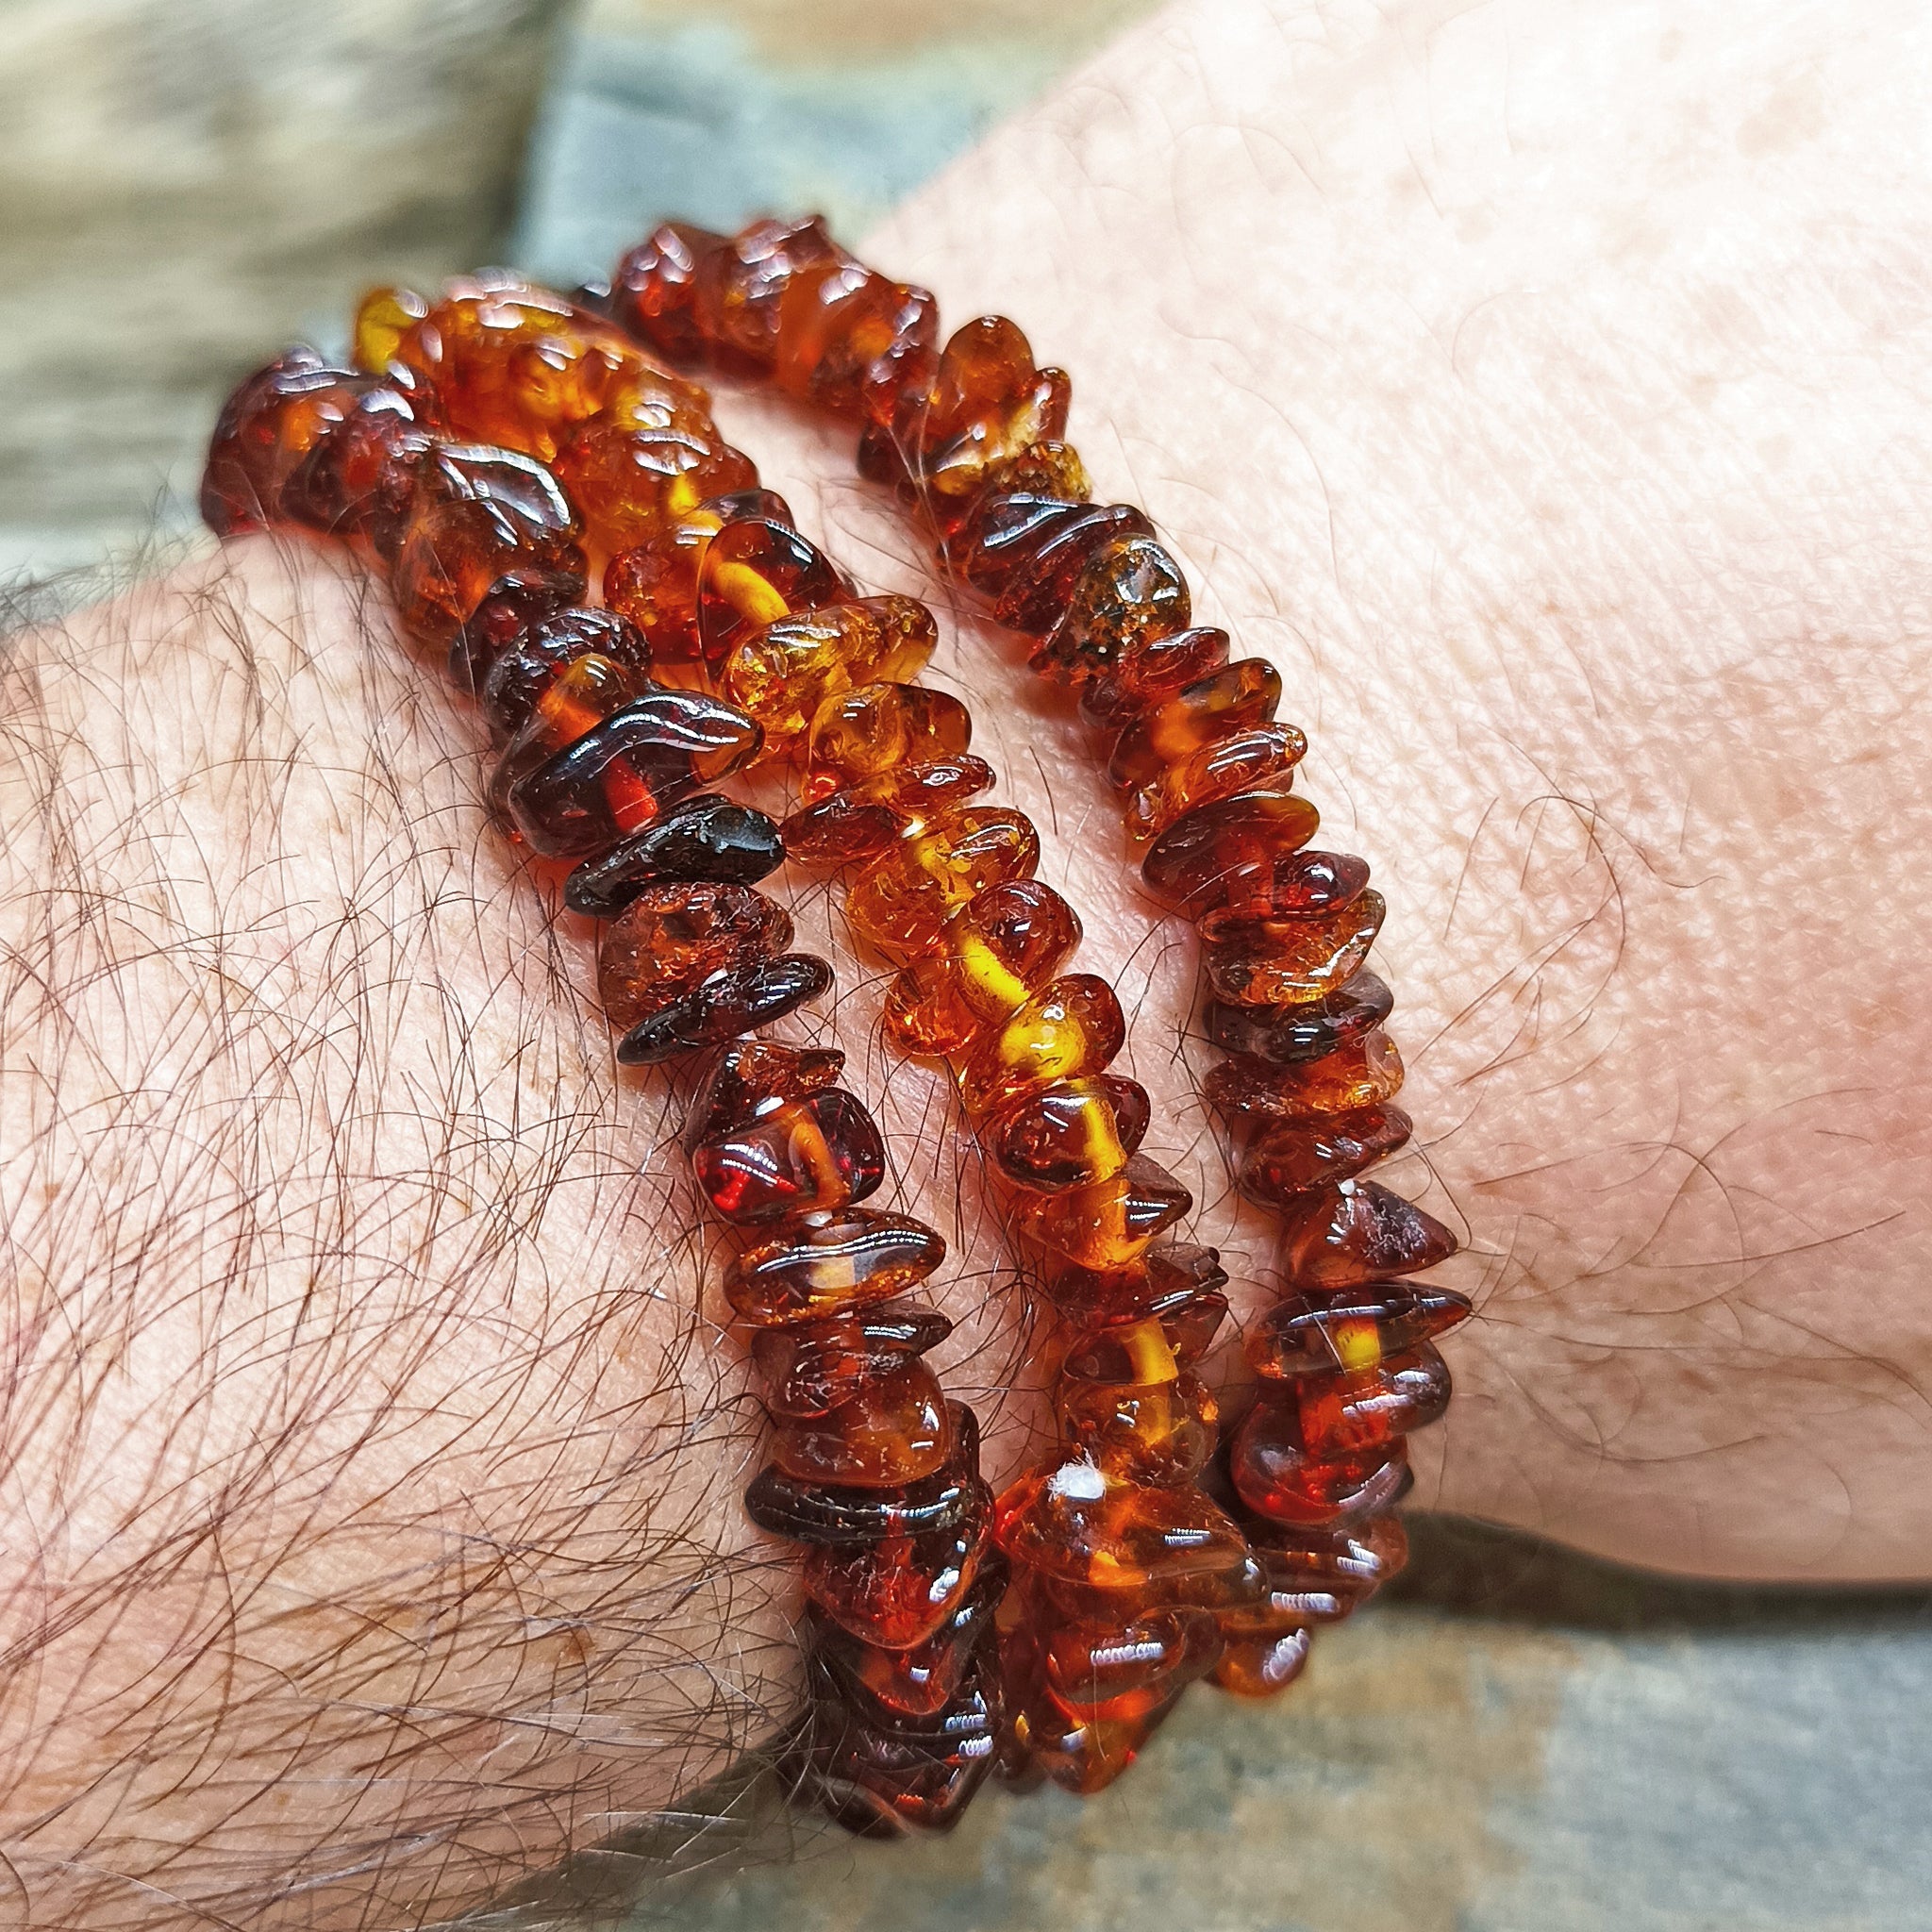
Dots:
{"x": 972, "y": 437}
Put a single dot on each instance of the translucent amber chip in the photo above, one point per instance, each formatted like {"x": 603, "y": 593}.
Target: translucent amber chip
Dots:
{"x": 1147, "y": 1432}
{"x": 894, "y": 1430}
{"x": 1071, "y": 1028}
{"x": 1243, "y": 761}
{"x": 874, "y": 729}
{"x": 673, "y": 937}
{"x": 1293, "y": 1157}
{"x": 1238, "y": 697}
{"x": 814, "y": 1367}
{"x": 1280, "y": 1478}
{"x": 1109, "y": 1224}
{"x": 1268, "y": 961}
{"x": 1301, "y": 1335}
{"x": 782, "y": 672}
{"x": 1069, "y": 1134}
{"x": 831, "y": 1264}
{"x": 902, "y": 1593}
{"x": 1225, "y": 852}
{"x": 868, "y": 819}
{"x": 819, "y": 1153}
{"x": 902, "y": 904}
{"x": 1355, "y": 1231}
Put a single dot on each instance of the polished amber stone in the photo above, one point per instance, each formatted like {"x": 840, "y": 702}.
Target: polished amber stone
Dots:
{"x": 738, "y": 285}
{"x": 1225, "y": 852}
{"x": 901, "y": 904}
{"x": 634, "y": 480}
{"x": 1109, "y": 1224}
{"x": 1240, "y": 697}
{"x": 505, "y": 622}
{"x": 1362, "y": 1073}
{"x": 918, "y": 1679}
{"x": 812, "y": 1368}
{"x": 850, "y": 339}
{"x": 893, "y": 1431}
{"x": 782, "y": 672}
{"x": 652, "y": 290}
{"x": 1069, "y": 1134}
{"x": 755, "y": 571}
{"x": 1358, "y": 1230}
{"x": 1081, "y": 1756}
{"x": 571, "y": 701}
{"x": 1034, "y": 551}
{"x": 984, "y": 538}
{"x": 673, "y": 937}
{"x": 358, "y": 479}
{"x": 1293, "y": 1157}
{"x": 1069, "y": 1029}
{"x": 1301, "y": 1335}
{"x": 1147, "y": 1432}
{"x": 874, "y": 729}
{"x": 1280, "y": 1478}
{"x": 822, "y": 1152}
{"x": 1130, "y": 590}
{"x": 1304, "y": 884}
{"x": 726, "y": 1004}
{"x": 654, "y": 583}
{"x": 866, "y": 819}
{"x": 831, "y": 1264}
{"x": 840, "y": 1513}
{"x": 1164, "y": 1282}
{"x": 383, "y": 318}
{"x": 1126, "y": 1669}
{"x": 1261, "y": 1666}
{"x": 1263, "y": 758}
{"x": 1109, "y": 1341}
{"x": 750, "y": 1077}
{"x": 879, "y": 1783}
{"x": 529, "y": 665}
{"x": 996, "y": 951}
{"x": 1266, "y": 961}
{"x": 902, "y": 1593}
{"x": 1149, "y": 672}
{"x": 1355, "y": 1410}
{"x": 1291, "y": 1036}
{"x": 701, "y": 837}
{"x": 1321, "y": 1575}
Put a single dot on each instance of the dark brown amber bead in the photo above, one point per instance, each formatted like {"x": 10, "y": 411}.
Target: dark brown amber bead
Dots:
{"x": 1071, "y": 1028}
{"x": 1261, "y": 1666}
{"x": 1070, "y": 1134}
{"x": 822, "y": 1152}
{"x": 512, "y": 610}
{"x": 872, "y": 729}
{"x": 1109, "y": 1224}
{"x": 1293, "y": 1157}
{"x": 842, "y": 1514}
{"x": 671, "y": 937}
{"x": 877, "y": 1784}
{"x": 1225, "y": 852}
{"x": 750, "y": 1077}
{"x": 1163, "y": 1282}
{"x": 725, "y": 1004}
{"x": 652, "y": 288}
{"x": 1149, "y": 673}
{"x": 358, "y": 480}
{"x": 1130, "y": 590}
{"x": 1290, "y": 1036}
{"x": 1240, "y": 697}
{"x": 865, "y": 820}
{"x": 576, "y": 698}
{"x": 893, "y": 1432}
{"x": 997, "y": 544}
{"x": 1036, "y": 551}
{"x": 1261, "y": 759}
{"x": 901, "y": 905}
{"x": 1307, "y": 883}
{"x": 1147, "y": 1432}
{"x": 755, "y": 571}
{"x": 702, "y": 838}
{"x": 782, "y": 672}
{"x": 901, "y": 1593}
{"x": 994, "y": 953}
{"x": 1303, "y": 1337}
{"x": 1356, "y": 1230}
{"x": 1267, "y": 961}
{"x": 516, "y": 678}
{"x": 1126, "y": 1670}
{"x": 275, "y": 418}
{"x": 1353, "y": 1411}
{"x": 1280, "y": 1478}
{"x": 920, "y": 1679}
{"x": 831, "y": 1264}
{"x": 1321, "y": 1575}
{"x": 812, "y": 1368}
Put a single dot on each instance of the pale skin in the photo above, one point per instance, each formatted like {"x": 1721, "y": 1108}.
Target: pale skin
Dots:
{"x": 1549, "y": 393}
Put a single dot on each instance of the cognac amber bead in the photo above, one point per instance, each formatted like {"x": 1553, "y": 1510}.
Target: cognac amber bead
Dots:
{"x": 868, "y": 819}
{"x": 634, "y": 480}
{"x": 1149, "y": 673}
{"x": 1321, "y": 1575}
{"x": 901, "y": 905}
{"x": 1240, "y": 697}
{"x": 996, "y": 951}
{"x": 702, "y": 838}
{"x": 1266, "y": 961}
{"x": 1300, "y": 1336}
{"x": 512, "y": 610}
{"x": 673, "y": 937}
{"x": 893, "y": 1432}
{"x": 903, "y": 1594}
{"x": 1126, "y": 1670}
{"x": 831, "y": 1264}
{"x": 1288, "y": 1036}
{"x": 755, "y": 571}
{"x": 782, "y": 672}
{"x": 1147, "y": 1432}
{"x": 752, "y": 1077}
{"x": 1358, "y": 1230}
{"x": 725, "y": 1004}
{"x": 571, "y": 701}
{"x": 1111, "y": 1344}
{"x": 1070, "y": 1134}
{"x": 655, "y": 584}
{"x": 805, "y": 1156}
{"x": 1225, "y": 852}
{"x": 1280, "y": 1478}
{"x": 1261, "y": 759}
{"x": 740, "y": 283}
{"x": 1293, "y": 1157}
{"x": 1362, "y": 1073}
{"x": 841, "y": 1513}
{"x": 919, "y": 1679}
{"x": 881, "y": 1785}
{"x": 1036, "y": 551}
{"x": 514, "y": 682}
{"x": 358, "y": 480}
{"x": 874, "y": 729}
{"x": 1164, "y": 1282}
{"x": 1109, "y": 1224}
{"x": 652, "y": 290}
{"x": 849, "y": 339}
{"x": 813, "y": 1368}
{"x": 988, "y": 403}
{"x": 1261, "y": 1666}
{"x": 1130, "y": 590}
{"x": 1353, "y": 1411}
{"x": 1071, "y": 1028}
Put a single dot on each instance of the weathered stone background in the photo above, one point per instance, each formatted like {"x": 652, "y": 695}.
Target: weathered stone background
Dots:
{"x": 1521, "y": 1742}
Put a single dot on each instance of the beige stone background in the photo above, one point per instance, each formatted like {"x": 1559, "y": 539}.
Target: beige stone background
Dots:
{"x": 1519, "y": 1741}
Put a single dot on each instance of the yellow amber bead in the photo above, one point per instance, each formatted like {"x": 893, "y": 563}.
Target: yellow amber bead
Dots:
{"x": 874, "y": 729}
{"x": 384, "y": 317}
{"x": 901, "y": 905}
{"x": 782, "y": 673}
{"x": 1071, "y": 1028}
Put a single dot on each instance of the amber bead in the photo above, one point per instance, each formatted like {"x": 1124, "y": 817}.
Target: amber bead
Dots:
{"x": 573, "y": 700}
{"x": 750, "y": 1077}
{"x": 997, "y": 543}
{"x": 874, "y": 729}
{"x": 739, "y": 282}
{"x": 893, "y": 1431}
{"x": 1079, "y": 1756}
{"x": 1147, "y": 1432}
{"x": 634, "y": 480}
{"x": 701, "y": 837}
{"x": 383, "y": 318}
{"x": 726, "y": 1004}
{"x": 1109, "y": 1224}
{"x": 1261, "y": 759}
{"x": 783, "y": 671}
{"x": 752, "y": 571}
{"x": 812, "y": 1368}
{"x": 1321, "y": 1575}
{"x": 1034, "y": 551}
{"x": 628, "y": 770}
{"x": 805, "y": 1155}
{"x": 1149, "y": 672}
{"x": 1071, "y": 1028}
{"x": 841, "y": 1513}
{"x": 1291, "y": 1036}
{"x": 987, "y": 402}
{"x": 652, "y": 290}
{"x": 1356, "y": 1230}
{"x": 1360, "y": 1074}
{"x": 1070, "y": 1134}
{"x": 994, "y": 953}
{"x": 881, "y": 1784}
{"x": 530, "y": 665}
{"x": 1162, "y": 1282}
{"x": 358, "y": 479}
{"x": 1292, "y": 1158}
{"x": 918, "y": 1679}
{"x": 865, "y": 820}
{"x": 1303, "y": 1337}
{"x": 671, "y": 937}
{"x": 901, "y": 1593}
{"x": 848, "y": 339}
{"x": 1280, "y": 1478}
{"x": 831, "y": 1264}
{"x": 900, "y": 906}
{"x": 1111, "y": 1344}
{"x": 1267, "y": 961}
{"x": 1225, "y": 851}
{"x": 1260, "y": 1666}
{"x": 1126, "y": 1669}
{"x": 1131, "y": 589}
{"x": 654, "y": 583}
{"x": 266, "y": 428}
{"x": 512, "y": 610}
{"x": 1352, "y": 1411}
{"x": 1240, "y": 697}
{"x": 1167, "y": 1547}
